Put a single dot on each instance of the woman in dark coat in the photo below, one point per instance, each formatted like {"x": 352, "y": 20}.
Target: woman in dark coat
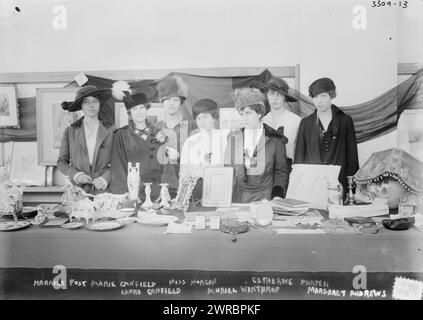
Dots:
{"x": 86, "y": 145}
{"x": 257, "y": 152}
{"x": 136, "y": 142}
{"x": 327, "y": 136}
{"x": 173, "y": 91}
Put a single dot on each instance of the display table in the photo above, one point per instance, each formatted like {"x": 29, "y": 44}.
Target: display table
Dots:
{"x": 136, "y": 252}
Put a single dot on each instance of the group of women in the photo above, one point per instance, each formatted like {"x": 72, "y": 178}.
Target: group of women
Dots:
{"x": 95, "y": 155}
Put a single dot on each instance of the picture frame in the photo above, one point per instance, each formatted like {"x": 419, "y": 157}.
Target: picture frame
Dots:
{"x": 9, "y": 112}
{"x": 186, "y": 186}
{"x": 229, "y": 119}
{"x": 410, "y": 132}
{"x": 217, "y": 187}
{"x": 24, "y": 168}
{"x": 154, "y": 114}
{"x": 52, "y": 120}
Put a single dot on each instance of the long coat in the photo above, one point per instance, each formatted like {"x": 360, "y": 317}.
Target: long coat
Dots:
{"x": 73, "y": 156}
{"x": 130, "y": 146}
{"x": 270, "y": 170}
{"x": 176, "y": 139}
{"x": 339, "y": 149}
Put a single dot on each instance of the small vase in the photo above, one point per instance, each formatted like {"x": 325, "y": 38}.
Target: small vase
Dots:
{"x": 164, "y": 195}
{"x": 147, "y": 203}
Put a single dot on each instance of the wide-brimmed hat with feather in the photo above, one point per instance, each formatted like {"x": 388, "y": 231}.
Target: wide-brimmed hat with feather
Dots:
{"x": 172, "y": 86}
{"x": 131, "y": 97}
{"x": 84, "y": 92}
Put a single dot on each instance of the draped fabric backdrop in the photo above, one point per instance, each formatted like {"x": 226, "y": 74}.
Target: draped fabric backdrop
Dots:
{"x": 373, "y": 118}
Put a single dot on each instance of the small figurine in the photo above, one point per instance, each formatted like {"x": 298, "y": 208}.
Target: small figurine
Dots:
{"x": 147, "y": 203}
{"x": 350, "y": 196}
{"x": 133, "y": 180}
{"x": 164, "y": 195}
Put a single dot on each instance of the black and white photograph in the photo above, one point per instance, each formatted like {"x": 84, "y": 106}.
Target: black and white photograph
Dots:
{"x": 185, "y": 151}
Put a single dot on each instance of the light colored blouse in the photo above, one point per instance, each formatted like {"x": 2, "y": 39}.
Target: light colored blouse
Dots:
{"x": 90, "y": 140}
{"x": 202, "y": 150}
{"x": 291, "y": 122}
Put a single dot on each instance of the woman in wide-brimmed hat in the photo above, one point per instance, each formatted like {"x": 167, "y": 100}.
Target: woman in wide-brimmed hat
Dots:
{"x": 139, "y": 141}
{"x": 86, "y": 145}
{"x": 256, "y": 152}
{"x": 277, "y": 91}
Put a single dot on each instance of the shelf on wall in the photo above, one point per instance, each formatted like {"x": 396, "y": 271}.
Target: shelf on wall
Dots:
{"x": 37, "y": 195}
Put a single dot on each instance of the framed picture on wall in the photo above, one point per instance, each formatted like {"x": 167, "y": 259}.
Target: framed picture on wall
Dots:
{"x": 52, "y": 121}
{"x": 155, "y": 113}
{"x": 9, "y": 112}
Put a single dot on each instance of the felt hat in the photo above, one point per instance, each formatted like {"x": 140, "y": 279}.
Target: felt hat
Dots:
{"x": 172, "y": 86}
{"x": 244, "y": 97}
{"x": 84, "y": 92}
{"x": 204, "y": 105}
{"x": 320, "y": 86}
{"x": 280, "y": 85}
{"x": 133, "y": 97}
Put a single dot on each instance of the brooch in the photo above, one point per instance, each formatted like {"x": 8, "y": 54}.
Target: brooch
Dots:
{"x": 250, "y": 162}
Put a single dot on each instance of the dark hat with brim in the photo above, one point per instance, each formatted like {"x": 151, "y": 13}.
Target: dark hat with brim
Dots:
{"x": 84, "y": 92}
{"x": 280, "y": 85}
{"x": 141, "y": 95}
{"x": 320, "y": 86}
{"x": 204, "y": 106}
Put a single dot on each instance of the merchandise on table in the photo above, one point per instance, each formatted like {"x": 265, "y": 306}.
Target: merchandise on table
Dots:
{"x": 370, "y": 210}
{"x": 11, "y": 199}
{"x": 104, "y": 226}
{"x": 391, "y": 174}
{"x": 289, "y": 206}
{"x": 14, "y": 225}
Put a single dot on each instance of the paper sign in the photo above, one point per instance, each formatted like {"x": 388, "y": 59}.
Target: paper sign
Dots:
{"x": 214, "y": 222}
{"x": 200, "y": 222}
{"x": 81, "y": 78}
{"x": 308, "y": 182}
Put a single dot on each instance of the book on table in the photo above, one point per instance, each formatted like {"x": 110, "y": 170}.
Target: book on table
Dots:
{"x": 289, "y": 206}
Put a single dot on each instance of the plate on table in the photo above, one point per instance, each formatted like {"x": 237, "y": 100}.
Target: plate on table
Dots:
{"x": 127, "y": 211}
{"x": 157, "y": 220}
{"x": 72, "y": 225}
{"x": 14, "y": 225}
{"x": 127, "y": 220}
{"x": 105, "y": 226}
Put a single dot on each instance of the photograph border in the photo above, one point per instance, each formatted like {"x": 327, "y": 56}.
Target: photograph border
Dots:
{"x": 9, "y": 121}
{"x": 48, "y": 156}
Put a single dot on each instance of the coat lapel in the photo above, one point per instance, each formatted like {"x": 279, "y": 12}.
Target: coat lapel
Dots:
{"x": 264, "y": 139}
{"x": 314, "y": 138}
{"x": 80, "y": 138}
{"x": 102, "y": 133}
